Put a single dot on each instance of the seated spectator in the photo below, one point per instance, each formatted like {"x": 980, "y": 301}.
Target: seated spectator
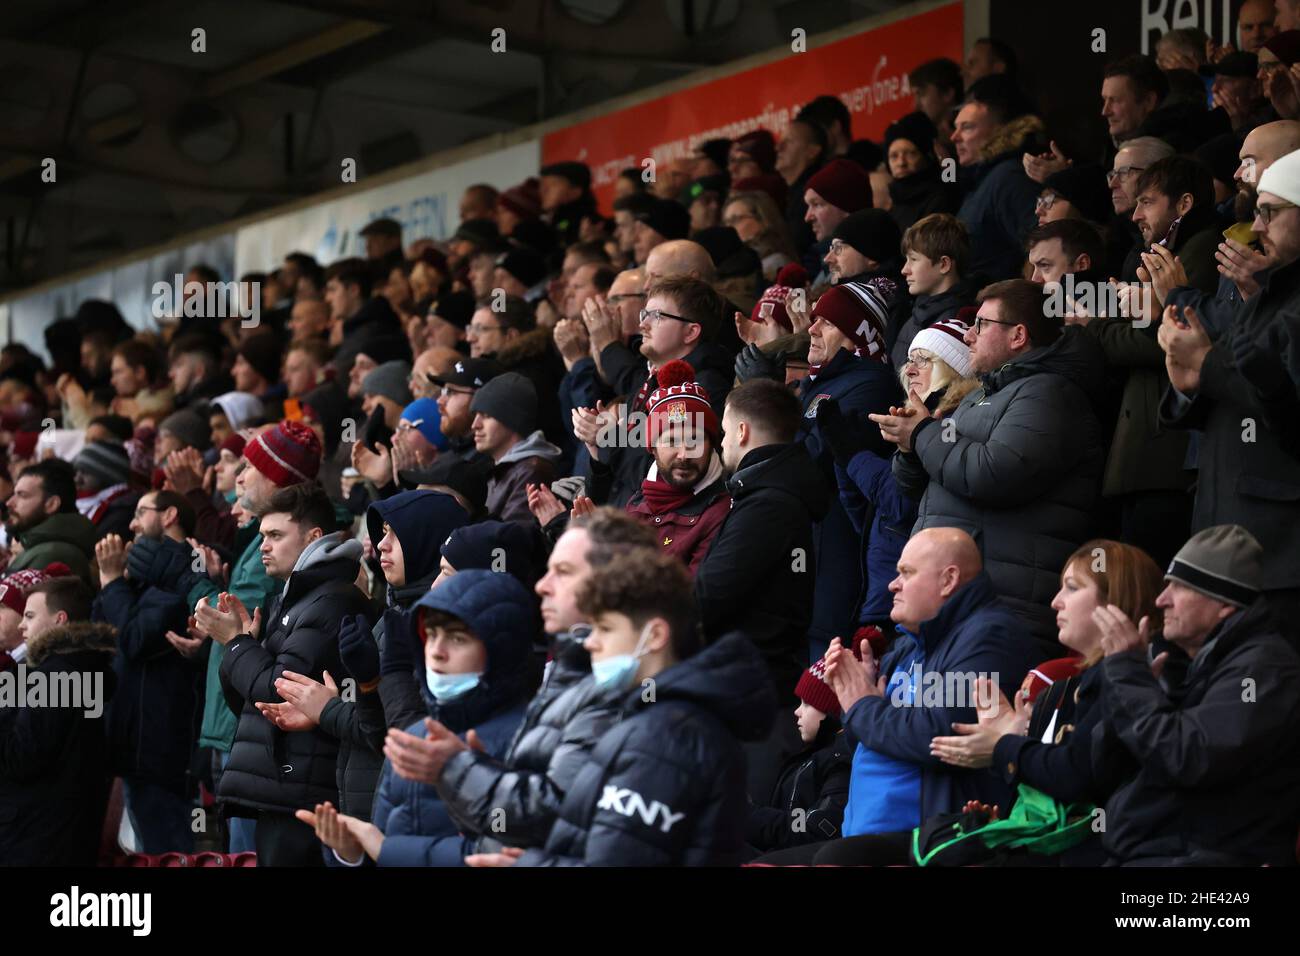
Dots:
{"x": 256, "y": 370}
{"x": 953, "y": 629}
{"x": 937, "y": 87}
{"x": 43, "y": 522}
{"x": 138, "y": 380}
{"x": 104, "y": 493}
{"x": 803, "y": 150}
{"x": 1175, "y": 209}
{"x": 418, "y": 439}
{"x": 1205, "y": 773}
{"x": 675, "y": 749}
{"x": 1067, "y": 247}
{"x": 492, "y": 546}
{"x": 683, "y": 498}
{"x": 233, "y": 412}
{"x": 14, "y": 589}
{"x": 993, "y": 131}
{"x": 917, "y": 188}
{"x": 807, "y": 804}
{"x": 760, "y": 224}
{"x": 183, "y": 429}
{"x": 479, "y": 675}
{"x": 195, "y": 370}
{"x": 505, "y": 429}
{"x": 760, "y": 573}
{"x": 831, "y": 195}
{"x": 938, "y": 373}
{"x": 1052, "y": 752}
{"x": 936, "y": 251}
{"x": 1021, "y": 464}
{"x": 54, "y": 773}
{"x": 511, "y": 337}
{"x": 385, "y": 392}
{"x": 305, "y": 363}
{"x": 566, "y": 717}
{"x": 153, "y": 722}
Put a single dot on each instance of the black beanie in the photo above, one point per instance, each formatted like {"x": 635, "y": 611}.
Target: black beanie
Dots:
{"x": 1085, "y": 188}
{"x": 511, "y": 399}
{"x": 871, "y": 232}
{"x": 262, "y": 351}
{"x": 916, "y": 128}
{"x": 480, "y": 545}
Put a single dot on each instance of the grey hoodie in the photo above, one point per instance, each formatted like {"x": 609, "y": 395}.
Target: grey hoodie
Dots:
{"x": 531, "y": 461}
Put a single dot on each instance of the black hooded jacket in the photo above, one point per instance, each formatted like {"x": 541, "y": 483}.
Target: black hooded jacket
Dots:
{"x": 808, "y": 801}
{"x": 759, "y": 575}
{"x": 665, "y": 786}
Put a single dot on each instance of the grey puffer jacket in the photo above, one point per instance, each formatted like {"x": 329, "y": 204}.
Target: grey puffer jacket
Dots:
{"x": 515, "y": 801}
{"x": 1018, "y": 464}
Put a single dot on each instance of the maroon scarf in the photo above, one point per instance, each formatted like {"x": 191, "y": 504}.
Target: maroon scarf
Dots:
{"x": 663, "y": 497}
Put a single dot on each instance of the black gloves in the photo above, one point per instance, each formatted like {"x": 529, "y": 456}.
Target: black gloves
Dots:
{"x": 399, "y": 652}
{"x": 753, "y": 362}
{"x": 358, "y": 650}
{"x": 843, "y": 435}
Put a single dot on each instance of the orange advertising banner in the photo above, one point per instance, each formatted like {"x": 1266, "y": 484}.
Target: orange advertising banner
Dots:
{"x": 867, "y": 71}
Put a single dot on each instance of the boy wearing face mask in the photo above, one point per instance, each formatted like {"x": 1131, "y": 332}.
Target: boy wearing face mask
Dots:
{"x": 476, "y": 630}
{"x": 665, "y": 785}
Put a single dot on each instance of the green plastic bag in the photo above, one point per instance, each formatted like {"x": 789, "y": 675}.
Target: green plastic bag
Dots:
{"x": 1037, "y": 824}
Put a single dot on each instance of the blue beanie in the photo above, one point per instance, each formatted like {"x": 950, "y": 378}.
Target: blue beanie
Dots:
{"x": 425, "y": 412}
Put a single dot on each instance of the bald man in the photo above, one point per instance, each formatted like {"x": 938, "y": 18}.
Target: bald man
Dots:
{"x": 952, "y": 632}
{"x": 1240, "y": 255}
{"x": 679, "y": 257}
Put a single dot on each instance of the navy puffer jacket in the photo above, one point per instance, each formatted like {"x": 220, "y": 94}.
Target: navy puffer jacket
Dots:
{"x": 666, "y": 785}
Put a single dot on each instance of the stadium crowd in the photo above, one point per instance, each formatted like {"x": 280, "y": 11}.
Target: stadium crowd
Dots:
{"x": 933, "y": 500}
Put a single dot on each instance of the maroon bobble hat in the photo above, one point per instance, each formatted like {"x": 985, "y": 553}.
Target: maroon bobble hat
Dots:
{"x": 677, "y": 400}
{"x": 844, "y": 184}
{"x": 288, "y": 454}
{"x": 792, "y": 277}
{"x": 813, "y": 690}
{"x": 860, "y": 311}
{"x": 15, "y": 587}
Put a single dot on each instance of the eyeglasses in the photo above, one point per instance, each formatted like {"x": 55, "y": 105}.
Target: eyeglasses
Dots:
{"x": 651, "y": 316}
{"x": 980, "y": 322}
{"x": 140, "y": 508}
{"x": 481, "y": 329}
{"x": 920, "y": 361}
{"x": 1124, "y": 172}
{"x": 447, "y": 391}
{"x": 1045, "y": 202}
{"x": 407, "y": 426}
{"x": 838, "y": 246}
{"x": 1265, "y": 210}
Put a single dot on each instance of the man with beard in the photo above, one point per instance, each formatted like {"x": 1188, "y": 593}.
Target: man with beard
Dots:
{"x": 683, "y": 499}
{"x": 43, "y": 520}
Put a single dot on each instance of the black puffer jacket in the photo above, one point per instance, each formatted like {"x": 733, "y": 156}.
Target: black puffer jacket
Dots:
{"x": 808, "y": 801}
{"x": 54, "y": 774}
{"x": 759, "y": 574}
{"x": 1019, "y": 468}
{"x": 1208, "y": 772}
{"x": 271, "y": 769}
{"x": 557, "y": 733}
{"x": 666, "y": 785}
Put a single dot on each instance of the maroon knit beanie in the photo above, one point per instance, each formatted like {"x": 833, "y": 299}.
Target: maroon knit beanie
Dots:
{"x": 844, "y": 184}
{"x": 288, "y": 454}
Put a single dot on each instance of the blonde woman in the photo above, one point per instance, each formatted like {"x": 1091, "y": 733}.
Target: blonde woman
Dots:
{"x": 761, "y": 226}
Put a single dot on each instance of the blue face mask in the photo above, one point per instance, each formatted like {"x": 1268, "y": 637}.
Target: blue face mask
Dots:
{"x": 618, "y": 671}
{"x": 449, "y": 687}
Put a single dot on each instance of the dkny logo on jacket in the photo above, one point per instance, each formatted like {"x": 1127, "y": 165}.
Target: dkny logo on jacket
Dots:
{"x": 629, "y": 803}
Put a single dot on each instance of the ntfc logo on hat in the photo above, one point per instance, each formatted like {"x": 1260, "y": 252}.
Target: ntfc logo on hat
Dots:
{"x": 460, "y": 367}
{"x": 812, "y": 409}
{"x": 677, "y": 413}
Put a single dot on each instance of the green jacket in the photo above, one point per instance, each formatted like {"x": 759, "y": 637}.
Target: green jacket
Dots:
{"x": 66, "y": 537}
{"x": 252, "y": 585}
